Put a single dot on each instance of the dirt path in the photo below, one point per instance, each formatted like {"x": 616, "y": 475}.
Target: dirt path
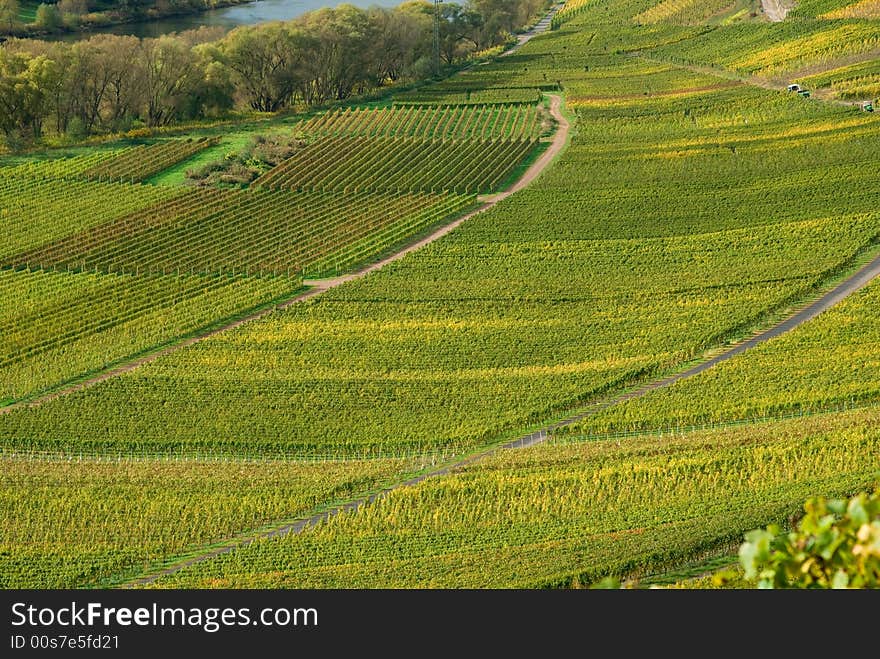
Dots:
{"x": 318, "y": 286}
{"x": 541, "y": 26}
{"x": 776, "y": 10}
{"x": 855, "y": 282}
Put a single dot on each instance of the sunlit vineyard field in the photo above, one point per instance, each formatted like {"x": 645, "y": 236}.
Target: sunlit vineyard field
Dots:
{"x": 479, "y": 98}
{"x": 84, "y": 522}
{"x": 55, "y": 326}
{"x": 212, "y": 231}
{"x": 853, "y": 81}
{"x": 36, "y": 212}
{"x": 140, "y": 163}
{"x": 683, "y": 12}
{"x": 443, "y": 122}
{"x": 563, "y": 515}
{"x": 832, "y": 361}
{"x": 658, "y": 235}
{"x": 358, "y": 164}
{"x": 695, "y": 202}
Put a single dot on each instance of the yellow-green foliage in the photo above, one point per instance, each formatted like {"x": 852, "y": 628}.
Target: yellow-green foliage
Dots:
{"x": 55, "y": 326}
{"x": 860, "y": 80}
{"x": 563, "y": 515}
{"x": 683, "y": 12}
{"x": 831, "y": 361}
{"x": 819, "y": 47}
{"x": 442, "y": 122}
{"x": 70, "y": 523}
{"x": 859, "y": 9}
{"x": 836, "y": 545}
{"x": 36, "y": 210}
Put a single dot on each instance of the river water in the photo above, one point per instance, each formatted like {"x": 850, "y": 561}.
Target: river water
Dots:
{"x": 228, "y": 17}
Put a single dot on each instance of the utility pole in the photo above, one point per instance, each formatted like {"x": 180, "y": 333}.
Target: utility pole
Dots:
{"x": 437, "y": 38}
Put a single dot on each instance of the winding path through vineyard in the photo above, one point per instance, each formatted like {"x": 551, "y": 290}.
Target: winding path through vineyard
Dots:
{"x": 318, "y": 286}
{"x": 774, "y": 10}
{"x": 850, "y": 285}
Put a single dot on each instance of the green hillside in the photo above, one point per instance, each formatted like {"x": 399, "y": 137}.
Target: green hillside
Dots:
{"x": 693, "y": 203}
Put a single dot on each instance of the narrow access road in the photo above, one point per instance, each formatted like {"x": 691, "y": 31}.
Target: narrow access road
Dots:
{"x": 318, "y": 286}
{"x": 541, "y": 26}
{"x": 857, "y": 281}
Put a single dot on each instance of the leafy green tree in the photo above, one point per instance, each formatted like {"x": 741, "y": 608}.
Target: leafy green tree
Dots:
{"x": 48, "y": 17}
{"x": 9, "y": 11}
{"x": 265, "y": 63}
{"x": 835, "y": 545}
{"x": 23, "y": 84}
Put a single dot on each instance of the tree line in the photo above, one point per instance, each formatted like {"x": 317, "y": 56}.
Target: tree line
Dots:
{"x": 113, "y": 83}
{"x": 71, "y": 15}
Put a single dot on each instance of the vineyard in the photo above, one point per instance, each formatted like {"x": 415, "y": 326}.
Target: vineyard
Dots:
{"x": 212, "y": 232}
{"x": 869, "y": 9}
{"x": 855, "y": 81}
{"x": 140, "y": 163}
{"x": 47, "y": 210}
{"x": 657, "y": 236}
{"x": 683, "y": 12}
{"x": 688, "y": 209}
{"x": 572, "y": 9}
{"x": 100, "y": 520}
{"x": 586, "y": 510}
{"x": 508, "y": 122}
{"x": 56, "y": 326}
{"x": 391, "y": 164}
{"x": 791, "y": 374}
{"x": 480, "y": 98}
{"x": 777, "y": 50}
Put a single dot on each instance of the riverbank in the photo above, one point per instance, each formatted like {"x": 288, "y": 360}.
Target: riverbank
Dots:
{"x": 99, "y": 21}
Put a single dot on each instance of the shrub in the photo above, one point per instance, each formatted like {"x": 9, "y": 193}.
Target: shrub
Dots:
{"x": 835, "y": 545}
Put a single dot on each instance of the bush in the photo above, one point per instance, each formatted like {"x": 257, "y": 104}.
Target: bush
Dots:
{"x": 48, "y": 17}
{"x": 835, "y": 545}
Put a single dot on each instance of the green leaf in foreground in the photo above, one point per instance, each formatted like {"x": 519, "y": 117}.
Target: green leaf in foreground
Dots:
{"x": 835, "y": 545}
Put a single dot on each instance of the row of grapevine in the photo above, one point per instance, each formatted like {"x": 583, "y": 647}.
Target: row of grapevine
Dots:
{"x": 570, "y": 10}
{"x": 37, "y": 211}
{"x": 500, "y": 96}
{"x": 60, "y": 168}
{"x": 867, "y": 71}
{"x": 866, "y": 9}
{"x": 360, "y": 164}
{"x": 57, "y": 317}
{"x": 70, "y": 524}
{"x": 140, "y": 163}
{"x": 246, "y": 232}
{"x": 55, "y": 326}
{"x": 684, "y": 12}
{"x": 792, "y": 373}
{"x": 776, "y": 50}
{"x": 442, "y": 122}
{"x": 585, "y": 510}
